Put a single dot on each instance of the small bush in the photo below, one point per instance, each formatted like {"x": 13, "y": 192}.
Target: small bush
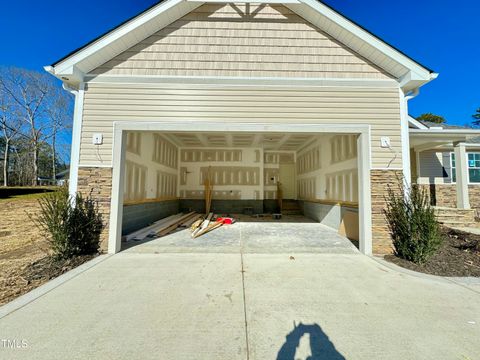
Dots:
{"x": 73, "y": 228}
{"x": 413, "y": 225}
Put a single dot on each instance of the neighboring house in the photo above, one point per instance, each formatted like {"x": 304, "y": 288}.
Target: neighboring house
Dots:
{"x": 289, "y": 92}
{"x": 44, "y": 181}
{"x": 62, "y": 177}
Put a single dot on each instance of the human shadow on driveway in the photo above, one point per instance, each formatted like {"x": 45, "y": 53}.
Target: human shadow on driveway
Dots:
{"x": 321, "y": 347}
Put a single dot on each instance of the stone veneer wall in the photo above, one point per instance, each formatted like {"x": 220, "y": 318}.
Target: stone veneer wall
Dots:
{"x": 380, "y": 179}
{"x": 97, "y": 182}
{"x": 445, "y": 195}
{"x": 441, "y": 194}
{"x": 474, "y": 192}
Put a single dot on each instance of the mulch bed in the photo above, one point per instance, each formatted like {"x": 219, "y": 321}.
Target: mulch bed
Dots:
{"x": 35, "y": 274}
{"x": 458, "y": 256}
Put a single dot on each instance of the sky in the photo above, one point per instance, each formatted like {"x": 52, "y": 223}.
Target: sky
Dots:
{"x": 442, "y": 35}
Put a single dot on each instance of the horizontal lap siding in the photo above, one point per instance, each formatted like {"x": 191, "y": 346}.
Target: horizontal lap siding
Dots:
{"x": 106, "y": 103}
{"x": 240, "y": 40}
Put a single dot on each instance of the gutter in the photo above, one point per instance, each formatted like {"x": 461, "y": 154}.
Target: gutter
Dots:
{"x": 412, "y": 94}
{"x": 50, "y": 69}
{"x": 445, "y": 131}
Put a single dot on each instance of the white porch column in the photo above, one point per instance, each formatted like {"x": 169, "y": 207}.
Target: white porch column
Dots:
{"x": 463, "y": 200}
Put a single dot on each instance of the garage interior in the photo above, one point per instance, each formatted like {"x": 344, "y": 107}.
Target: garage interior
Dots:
{"x": 311, "y": 179}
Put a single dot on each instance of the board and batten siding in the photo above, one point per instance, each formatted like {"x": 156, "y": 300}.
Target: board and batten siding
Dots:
{"x": 106, "y": 103}
{"x": 245, "y": 40}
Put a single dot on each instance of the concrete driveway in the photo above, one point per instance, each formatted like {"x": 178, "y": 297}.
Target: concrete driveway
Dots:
{"x": 246, "y": 306}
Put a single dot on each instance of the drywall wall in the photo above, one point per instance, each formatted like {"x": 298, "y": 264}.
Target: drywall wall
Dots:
{"x": 151, "y": 170}
{"x": 327, "y": 169}
{"x": 237, "y": 173}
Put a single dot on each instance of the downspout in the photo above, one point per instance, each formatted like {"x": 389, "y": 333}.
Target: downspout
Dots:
{"x": 76, "y": 136}
{"x": 405, "y": 135}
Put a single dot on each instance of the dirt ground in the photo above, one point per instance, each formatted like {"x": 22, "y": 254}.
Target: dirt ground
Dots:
{"x": 458, "y": 256}
{"x": 25, "y": 261}
{"x": 20, "y": 245}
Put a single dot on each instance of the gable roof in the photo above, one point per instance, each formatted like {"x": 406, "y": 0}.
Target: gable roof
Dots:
{"x": 75, "y": 65}
{"x": 415, "y": 124}
{"x": 430, "y": 124}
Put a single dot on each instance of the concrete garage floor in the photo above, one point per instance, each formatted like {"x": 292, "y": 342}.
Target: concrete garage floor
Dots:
{"x": 293, "y": 234}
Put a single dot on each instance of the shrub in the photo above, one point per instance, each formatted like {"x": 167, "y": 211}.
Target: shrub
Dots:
{"x": 413, "y": 225}
{"x": 73, "y": 227}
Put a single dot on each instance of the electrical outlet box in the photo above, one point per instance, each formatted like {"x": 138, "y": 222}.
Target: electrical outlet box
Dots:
{"x": 385, "y": 142}
{"x": 97, "y": 139}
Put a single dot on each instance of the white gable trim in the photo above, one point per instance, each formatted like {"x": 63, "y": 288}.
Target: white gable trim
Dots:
{"x": 250, "y": 1}
{"x": 323, "y": 11}
{"x": 73, "y": 68}
{"x": 116, "y": 41}
{"x": 416, "y": 124}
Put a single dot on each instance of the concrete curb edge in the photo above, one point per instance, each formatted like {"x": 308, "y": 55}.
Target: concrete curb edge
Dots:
{"x": 38, "y": 292}
{"x": 458, "y": 280}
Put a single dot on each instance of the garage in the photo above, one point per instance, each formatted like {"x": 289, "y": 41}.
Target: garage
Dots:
{"x": 311, "y": 175}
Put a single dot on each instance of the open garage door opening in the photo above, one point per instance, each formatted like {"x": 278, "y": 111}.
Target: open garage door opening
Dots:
{"x": 294, "y": 179}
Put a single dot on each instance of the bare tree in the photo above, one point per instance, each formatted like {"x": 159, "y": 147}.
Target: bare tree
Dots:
{"x": 60, "y": 119}
{"x": 10, "y": 127}
{"x": 31, "y": 92}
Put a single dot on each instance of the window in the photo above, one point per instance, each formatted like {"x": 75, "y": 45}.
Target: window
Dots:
{"x": 454, "y": 167}
{"x": 473, "y": 167}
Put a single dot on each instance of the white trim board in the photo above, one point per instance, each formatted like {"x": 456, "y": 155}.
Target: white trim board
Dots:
{"x": 243, "y": 81}
{"x": 364, "y": 164}
{"x": 201, "y": 126}
{"x": 417, "y": 124}
{"x": 474, "y": 132}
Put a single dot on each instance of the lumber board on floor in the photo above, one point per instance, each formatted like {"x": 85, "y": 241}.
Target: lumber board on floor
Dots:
{"x": 169, "y": 227}
{"x": 204, "y": 225}
{"x": 209, "y": 228}
{"x": 144, "y": 232}
{"x": 190, "y": 221}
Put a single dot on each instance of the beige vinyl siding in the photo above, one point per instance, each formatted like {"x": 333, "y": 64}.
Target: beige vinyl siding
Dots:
{"x": 244, "y": 40}
{"x": 106, "y": 103}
